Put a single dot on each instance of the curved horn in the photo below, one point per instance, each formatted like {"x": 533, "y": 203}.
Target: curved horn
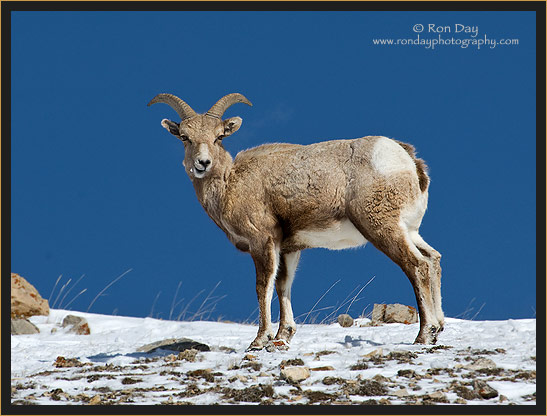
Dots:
{"x": 222, "y": 105}
{"x": 182, "y": 109}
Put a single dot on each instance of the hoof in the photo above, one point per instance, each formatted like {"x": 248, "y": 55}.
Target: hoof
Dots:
{"x": 285, "y": 333}
{"x": 428, "y": 335}
{"x": 260, "y": 342}
{"x": 254, "y": 348}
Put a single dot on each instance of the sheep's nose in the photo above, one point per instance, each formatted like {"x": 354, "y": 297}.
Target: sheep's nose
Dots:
{"x": 204, "y": 163}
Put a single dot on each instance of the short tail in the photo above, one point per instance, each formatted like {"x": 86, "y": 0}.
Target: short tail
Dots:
{"x": 421, "y": 167}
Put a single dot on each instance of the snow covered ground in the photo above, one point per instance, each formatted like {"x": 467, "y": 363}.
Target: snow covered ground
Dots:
{"x": 356, "y": 365}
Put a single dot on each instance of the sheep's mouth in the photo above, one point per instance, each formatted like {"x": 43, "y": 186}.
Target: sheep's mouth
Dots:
{"x": 200, "y": 169}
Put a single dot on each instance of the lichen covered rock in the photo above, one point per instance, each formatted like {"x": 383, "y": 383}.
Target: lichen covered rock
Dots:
{"x": 25, "y": 299}
{"x": 393, "y": 313}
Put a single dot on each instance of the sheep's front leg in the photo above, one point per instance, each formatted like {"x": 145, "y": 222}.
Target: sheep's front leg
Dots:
{"x": 266, "y": 264}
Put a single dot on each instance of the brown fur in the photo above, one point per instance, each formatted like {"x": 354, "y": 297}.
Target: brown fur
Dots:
{"x": 421, "y": 167}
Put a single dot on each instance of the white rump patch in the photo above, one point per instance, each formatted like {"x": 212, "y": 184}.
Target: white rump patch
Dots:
{"x": 388, "y": 157}
{"x": 341, "y": 235}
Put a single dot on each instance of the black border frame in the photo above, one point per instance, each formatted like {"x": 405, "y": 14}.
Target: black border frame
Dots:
{"x": 10, "y": 6}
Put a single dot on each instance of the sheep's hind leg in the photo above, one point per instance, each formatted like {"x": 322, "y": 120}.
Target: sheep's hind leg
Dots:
{"x": 396, "y": 243}
{"x": 434, "y": 259}
{"x": 421, "y": 278}
{"x": 283, "y": 283}
{"x": 266, "y": 261}
{"x": 420, "y": 273}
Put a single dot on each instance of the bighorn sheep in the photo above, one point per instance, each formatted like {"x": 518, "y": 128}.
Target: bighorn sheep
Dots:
{"x": 275, "y": 200}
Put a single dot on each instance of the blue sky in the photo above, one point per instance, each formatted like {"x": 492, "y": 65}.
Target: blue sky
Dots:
{"x": 97, "y": 185}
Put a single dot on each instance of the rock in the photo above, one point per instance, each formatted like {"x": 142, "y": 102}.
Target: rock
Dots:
{"x": 171, "y": 358}
{"x": 402, "y": 356}
{"x": 381, "y": 379}
{"x": 23, "y": 327}
{"x": 484, "y": 390}
{"x": 437, "y": 396}
{"x": 327, "y": 381}
{"x": 23, "y": 403}
{"x": 374, "y": 387}
{"x": 481, "y": 364}
{"x": 345, "y": 320}
{"x": 72, "y": 320}
{"x": 204, "y": 373}
{"x": 174, "y": 344}
{"x": 291, "y": 363}
{"x": 408, "y": 373}
{"x": 62, "y": 362}
{"x": 56, "y": 394}
{"x": 78, "y": 325}
{"x": 359, "y": 365}
{"x": 25, "y": 299}
{"x": 82, "y": 329}
{"x": 320, "y": 397}
{"x": 131, "y": 380}
{"x": 295, "y": 374}
{"x": 378, "y": 313}
{"x": 95, "y": 400}
{"x": 188, "y": 355}
{"x": 364, "y": 387}
{"x": 393, "y": 313}
{"x": 377, "y": 353}
{"x": 465, "y": 393}
{"x": 239, "y": 377}
{"x": 324, "y": 368}
{"x": 401, "y": 393}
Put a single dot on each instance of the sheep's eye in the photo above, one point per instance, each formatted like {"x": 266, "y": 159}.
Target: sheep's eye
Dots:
{"x": 219, "y": 138}
{"x": 184, "y": 138}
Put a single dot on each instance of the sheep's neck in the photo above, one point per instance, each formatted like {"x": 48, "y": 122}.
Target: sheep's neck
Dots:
{"x": 211, "y": 189}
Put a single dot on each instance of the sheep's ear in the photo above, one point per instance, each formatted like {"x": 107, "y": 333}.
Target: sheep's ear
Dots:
{"x": 171, "y": 127}
{"x": 232, "y": 125}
